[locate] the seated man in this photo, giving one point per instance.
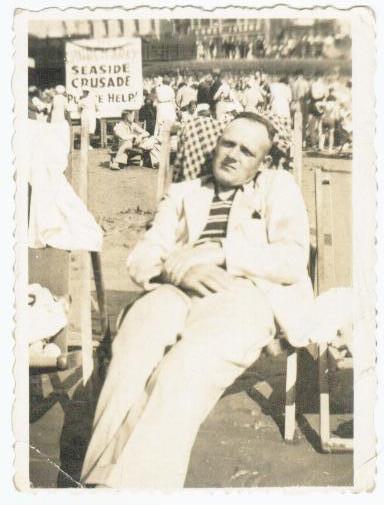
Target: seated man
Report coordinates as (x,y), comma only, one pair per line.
(225,257)
(131,136)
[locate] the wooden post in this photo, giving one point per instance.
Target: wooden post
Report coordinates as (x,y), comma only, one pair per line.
(84,262)
(164,175)
(298,146)
(103,132)
(323,196)
(322,184)
(291,372)
(319,230)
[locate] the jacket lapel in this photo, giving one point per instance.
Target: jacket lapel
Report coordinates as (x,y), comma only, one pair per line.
(196,207)
(247,200)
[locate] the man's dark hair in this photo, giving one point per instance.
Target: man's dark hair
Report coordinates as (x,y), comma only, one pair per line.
(253,116)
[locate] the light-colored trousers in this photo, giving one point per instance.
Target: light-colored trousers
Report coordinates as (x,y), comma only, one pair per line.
(121,155)
(173,358)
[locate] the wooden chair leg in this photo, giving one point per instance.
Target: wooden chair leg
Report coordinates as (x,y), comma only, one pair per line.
(290,397)
(101,295)
(328,443)
(104,352)
(324,416)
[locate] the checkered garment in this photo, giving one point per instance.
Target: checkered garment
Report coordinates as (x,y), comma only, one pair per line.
(196,142)
(198,137)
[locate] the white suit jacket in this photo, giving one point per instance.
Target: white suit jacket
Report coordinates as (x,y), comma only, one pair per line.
(267,240)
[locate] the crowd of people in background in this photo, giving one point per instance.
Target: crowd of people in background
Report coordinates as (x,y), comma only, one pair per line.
(52,105)
(308,45)
(325,102)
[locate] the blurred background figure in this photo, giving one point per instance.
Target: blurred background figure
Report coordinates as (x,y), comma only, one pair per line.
(59,111)
(328,122)
(185,95)
(147,113)
(225,99)
(37,108)
(281,97)
(88,109)
(130,138)
(300,96)
(215,85)
(165,102)
(32,108)
(252,97)
(203,89)
(318,92)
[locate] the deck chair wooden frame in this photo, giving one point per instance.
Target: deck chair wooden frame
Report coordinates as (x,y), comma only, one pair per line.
(58,259)
(329,443)
(325,361)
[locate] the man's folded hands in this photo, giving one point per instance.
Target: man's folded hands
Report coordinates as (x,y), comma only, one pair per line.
(198,269)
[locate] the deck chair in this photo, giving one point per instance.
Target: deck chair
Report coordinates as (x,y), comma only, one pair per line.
(316,272)
(55,269)
(326,358)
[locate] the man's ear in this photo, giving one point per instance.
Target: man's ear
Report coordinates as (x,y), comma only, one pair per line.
(217,145)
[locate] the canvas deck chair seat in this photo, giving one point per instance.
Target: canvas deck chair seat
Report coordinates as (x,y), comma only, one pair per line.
(316,269)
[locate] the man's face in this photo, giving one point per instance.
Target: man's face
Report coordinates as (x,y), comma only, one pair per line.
(242,147)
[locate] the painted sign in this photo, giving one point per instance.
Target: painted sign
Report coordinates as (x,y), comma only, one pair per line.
(109,69)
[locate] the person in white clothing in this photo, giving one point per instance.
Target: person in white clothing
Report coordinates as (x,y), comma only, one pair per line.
(318,93)
(225,256)
(225,99)
(89,109)
(185,95)
(281,97)
(165,103)
(252,97)
(40,107)
(131,135)
(59,105)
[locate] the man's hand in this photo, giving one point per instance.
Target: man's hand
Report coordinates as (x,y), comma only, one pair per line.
(206,279)
(188,256)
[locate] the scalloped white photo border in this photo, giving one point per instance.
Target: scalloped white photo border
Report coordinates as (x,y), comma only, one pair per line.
(364,226)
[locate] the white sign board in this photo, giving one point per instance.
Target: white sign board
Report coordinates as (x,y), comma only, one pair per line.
(110,69)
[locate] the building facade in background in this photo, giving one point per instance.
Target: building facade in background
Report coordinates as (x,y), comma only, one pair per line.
(177,40)
(257,38)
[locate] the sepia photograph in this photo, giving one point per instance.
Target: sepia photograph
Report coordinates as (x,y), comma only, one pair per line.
(189,285)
